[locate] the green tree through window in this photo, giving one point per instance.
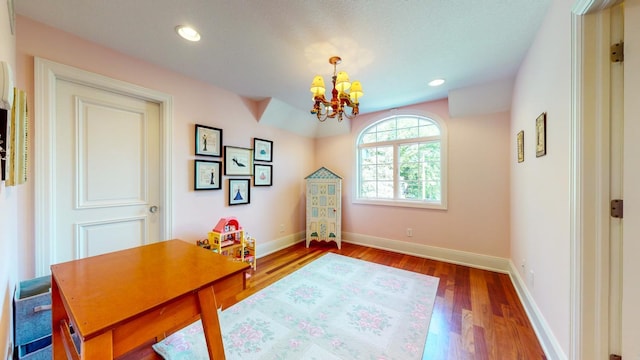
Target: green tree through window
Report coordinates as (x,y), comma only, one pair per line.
(400,160)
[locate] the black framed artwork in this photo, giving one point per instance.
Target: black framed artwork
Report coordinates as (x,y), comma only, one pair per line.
(4,143)
(208,140)
(262,175)
(239,192)
(207,175)
(262,150)
(238,161)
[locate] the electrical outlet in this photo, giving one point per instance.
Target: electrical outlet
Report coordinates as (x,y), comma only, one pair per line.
(409,232)
(531,276)
(281,228)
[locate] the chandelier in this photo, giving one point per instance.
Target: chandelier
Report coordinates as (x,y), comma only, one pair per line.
(344,94)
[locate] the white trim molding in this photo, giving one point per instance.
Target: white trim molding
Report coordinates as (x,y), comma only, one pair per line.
(589,231)
(485,262)
(46,74)
(458,257)
(548,341)
(583,7)
(264,249)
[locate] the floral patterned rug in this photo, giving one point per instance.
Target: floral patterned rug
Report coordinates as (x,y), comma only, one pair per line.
(335,307)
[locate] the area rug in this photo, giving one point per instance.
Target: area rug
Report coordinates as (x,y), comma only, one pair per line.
(335,307)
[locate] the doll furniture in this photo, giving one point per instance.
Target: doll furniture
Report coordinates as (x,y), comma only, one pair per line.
(229,238)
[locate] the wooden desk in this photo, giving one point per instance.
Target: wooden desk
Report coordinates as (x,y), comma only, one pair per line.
(119,301)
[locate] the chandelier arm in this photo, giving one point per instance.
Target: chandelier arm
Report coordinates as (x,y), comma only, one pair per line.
(322,118)
(323,109)
(321,100)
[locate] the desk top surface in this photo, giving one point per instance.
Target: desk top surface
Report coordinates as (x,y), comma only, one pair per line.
(102,291)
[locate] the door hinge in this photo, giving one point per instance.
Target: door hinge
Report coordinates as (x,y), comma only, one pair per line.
(617,52)
(615,357)
(617,208)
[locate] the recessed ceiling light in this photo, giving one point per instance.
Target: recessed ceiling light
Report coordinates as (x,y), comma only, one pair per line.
(436,82)
(188,33)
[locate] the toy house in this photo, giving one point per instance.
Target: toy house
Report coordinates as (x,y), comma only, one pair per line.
(229,238)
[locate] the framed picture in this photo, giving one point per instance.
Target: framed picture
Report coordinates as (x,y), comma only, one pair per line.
(208,141)
(207,175)
(262,150)
(521,146)
(239,191)
(12,16)
(237,161)
(541,135)
(262,175)
(4,142)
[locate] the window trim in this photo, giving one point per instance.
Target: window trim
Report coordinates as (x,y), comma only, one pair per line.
(443,203)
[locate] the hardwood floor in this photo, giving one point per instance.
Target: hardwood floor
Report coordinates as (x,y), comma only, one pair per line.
(477,314)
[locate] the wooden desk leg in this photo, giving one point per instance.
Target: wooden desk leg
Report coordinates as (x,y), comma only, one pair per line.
(211,323)
(58,314)
(100,347)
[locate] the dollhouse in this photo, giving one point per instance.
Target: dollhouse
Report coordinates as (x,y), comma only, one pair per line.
(229,238)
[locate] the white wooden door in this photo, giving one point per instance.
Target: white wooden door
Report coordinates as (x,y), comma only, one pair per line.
(107,171)
(103,165)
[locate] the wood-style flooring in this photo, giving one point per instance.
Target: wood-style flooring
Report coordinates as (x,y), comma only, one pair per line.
(477,314)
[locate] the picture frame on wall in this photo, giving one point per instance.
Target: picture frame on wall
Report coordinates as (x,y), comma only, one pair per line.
(262,150)
(262,175)
(207,175)
(239,192)
(541,135)
(238,161)
(12,16)
(208,140)
(520,142)
(4,141)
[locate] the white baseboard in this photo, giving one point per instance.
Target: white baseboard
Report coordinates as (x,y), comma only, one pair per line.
(263,249)
(547,340)
(479,261)
(549,343)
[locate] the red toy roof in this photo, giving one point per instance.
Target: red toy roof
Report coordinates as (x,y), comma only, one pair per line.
(231,220)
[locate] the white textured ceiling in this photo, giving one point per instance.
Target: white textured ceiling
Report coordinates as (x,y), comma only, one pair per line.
(264,49)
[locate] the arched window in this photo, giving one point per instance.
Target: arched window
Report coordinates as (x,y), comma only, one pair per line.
(402,161)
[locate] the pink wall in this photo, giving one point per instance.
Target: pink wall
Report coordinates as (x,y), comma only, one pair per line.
(194,102)
(477,219)
(540,187)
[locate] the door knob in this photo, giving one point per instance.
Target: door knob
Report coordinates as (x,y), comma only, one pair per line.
(153,209)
